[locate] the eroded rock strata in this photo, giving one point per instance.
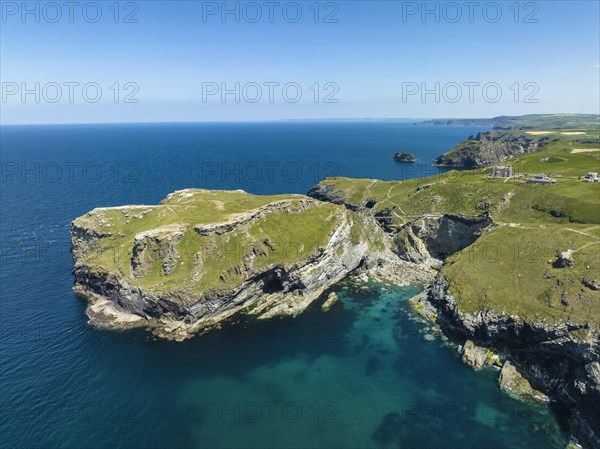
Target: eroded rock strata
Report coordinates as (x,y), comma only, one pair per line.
(212,256)
(487,148)
(560,360)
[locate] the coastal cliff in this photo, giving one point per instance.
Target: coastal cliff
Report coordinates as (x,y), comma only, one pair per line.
(559,359)
(201,256)
(521,122)
(488,148)
(506,143)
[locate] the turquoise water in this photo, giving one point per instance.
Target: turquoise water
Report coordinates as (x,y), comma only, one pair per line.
(362,375)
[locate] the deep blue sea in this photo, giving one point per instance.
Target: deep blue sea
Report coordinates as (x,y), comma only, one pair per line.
(362,375)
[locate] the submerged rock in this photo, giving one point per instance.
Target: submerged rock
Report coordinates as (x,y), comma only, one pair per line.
(331,300)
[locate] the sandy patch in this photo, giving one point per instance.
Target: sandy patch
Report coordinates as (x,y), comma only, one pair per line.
(574,133)
(584,150)
(538,133)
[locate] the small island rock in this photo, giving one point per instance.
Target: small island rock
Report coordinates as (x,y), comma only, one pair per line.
(404,157)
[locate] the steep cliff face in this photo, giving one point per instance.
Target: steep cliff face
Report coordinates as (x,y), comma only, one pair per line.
(215,254)
(529,121)
(438,237)
(487,149)
(420,239)
(561,360)
(330,193)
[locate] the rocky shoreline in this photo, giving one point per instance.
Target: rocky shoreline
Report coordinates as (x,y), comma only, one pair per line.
(548,356)
(119,300)
(538,360)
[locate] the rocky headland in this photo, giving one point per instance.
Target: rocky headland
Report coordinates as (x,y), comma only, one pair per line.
(522,122)
(503,144)
(489,148)
(199,257)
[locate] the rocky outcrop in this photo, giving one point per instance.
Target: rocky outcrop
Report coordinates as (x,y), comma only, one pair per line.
(90,241)
(329,193)
(473,355)
(156,244)
(438,237)
(426,240)
(332,300)
(560,360)
(477,154)
(592,284)
(564,259)
(513,382)
(401,156)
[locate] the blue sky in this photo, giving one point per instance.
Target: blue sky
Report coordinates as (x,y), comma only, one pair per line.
(370,59)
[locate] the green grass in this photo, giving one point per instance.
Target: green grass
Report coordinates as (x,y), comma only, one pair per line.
(469,192)
(568,201)
(214,261)
(569,164)
(508,271)
(530,121)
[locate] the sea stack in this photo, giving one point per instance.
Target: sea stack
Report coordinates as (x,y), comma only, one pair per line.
(404,157)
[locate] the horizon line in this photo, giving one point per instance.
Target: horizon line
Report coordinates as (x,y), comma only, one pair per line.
(334,119)
(190,122)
